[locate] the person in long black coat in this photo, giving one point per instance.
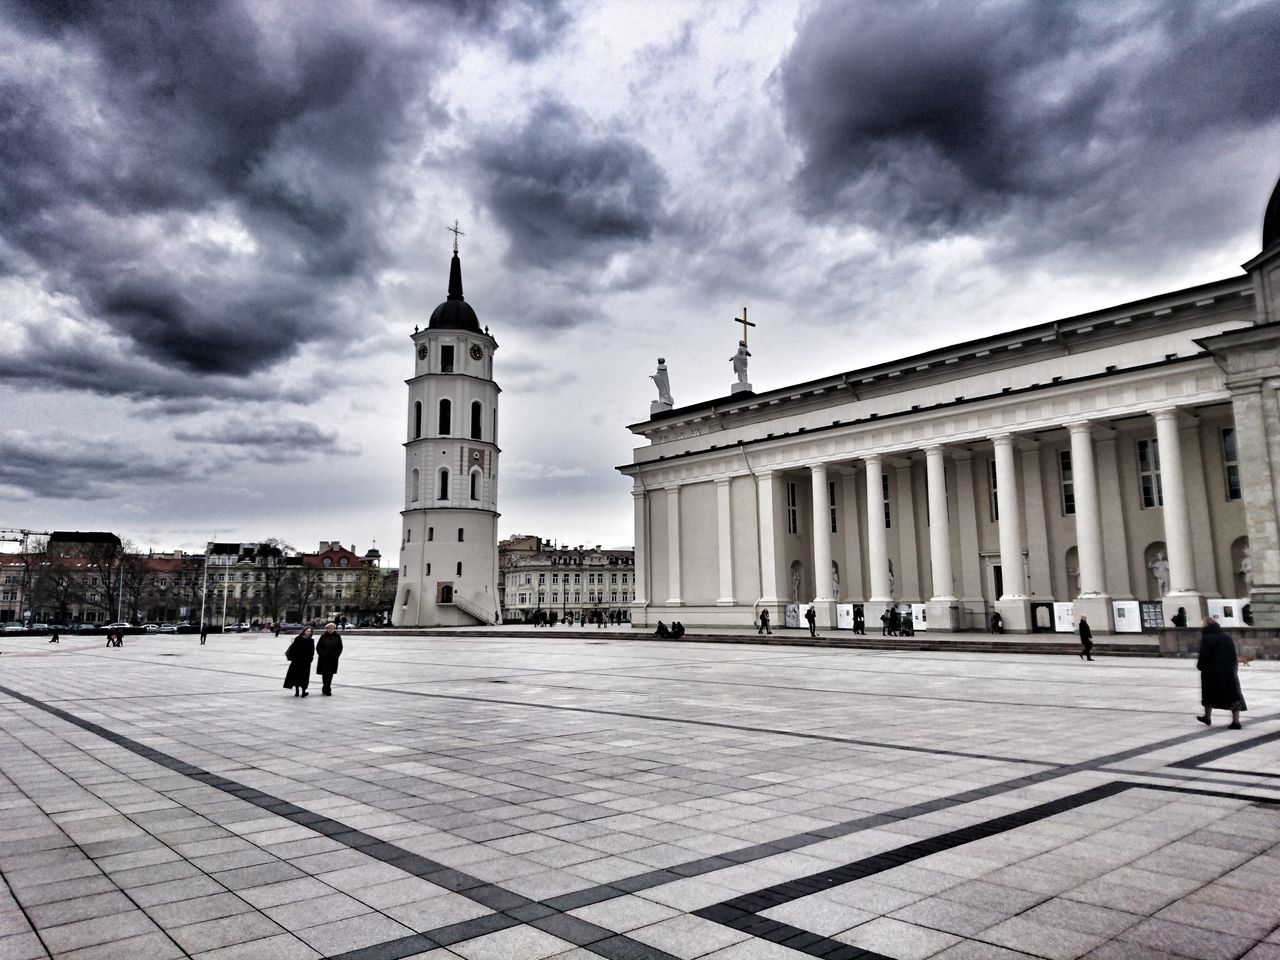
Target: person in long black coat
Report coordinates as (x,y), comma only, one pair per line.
(1086,639)
(300,654)
(328,650)
(1219,679)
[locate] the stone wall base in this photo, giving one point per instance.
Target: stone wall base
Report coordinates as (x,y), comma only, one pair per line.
(1259,643)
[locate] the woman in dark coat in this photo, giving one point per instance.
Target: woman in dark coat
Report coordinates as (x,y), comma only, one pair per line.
(300,653)
(328,650)
(1219,682)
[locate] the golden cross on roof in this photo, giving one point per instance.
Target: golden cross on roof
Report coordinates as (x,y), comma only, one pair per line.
(456,234)
(745,323)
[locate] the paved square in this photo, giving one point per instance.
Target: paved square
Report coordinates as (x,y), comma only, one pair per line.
(578,794)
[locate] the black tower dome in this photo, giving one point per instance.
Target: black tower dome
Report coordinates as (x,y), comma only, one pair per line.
(455,313)
(1271,221)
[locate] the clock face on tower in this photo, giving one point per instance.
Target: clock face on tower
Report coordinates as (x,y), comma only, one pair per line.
(477,352)
(422,351)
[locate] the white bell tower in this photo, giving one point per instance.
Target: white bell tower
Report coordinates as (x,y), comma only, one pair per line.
(449,533)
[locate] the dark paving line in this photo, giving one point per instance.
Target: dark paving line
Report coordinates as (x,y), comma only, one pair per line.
(509,908)
(742,913)
(828,738)
(1183,778)
(1237,746)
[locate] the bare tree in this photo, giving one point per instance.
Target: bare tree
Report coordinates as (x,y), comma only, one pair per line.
(305,585)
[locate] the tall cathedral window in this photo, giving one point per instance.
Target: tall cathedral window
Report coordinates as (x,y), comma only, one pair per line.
(991,491)
(884,496)
(417,420)
(793,513)
(414,485)
(1231,463)
(476,411)
(1149,488)
(1066,480)
(831,500)
(443,493)
(446,418)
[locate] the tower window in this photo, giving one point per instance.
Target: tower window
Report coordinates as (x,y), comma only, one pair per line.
(446,418)
(417,420)
(408,536)
(459,568)
(475,484)
(431,533)
(444,486)
(446,359)
(476,411)
(460,529)
(414,484)
(428,569)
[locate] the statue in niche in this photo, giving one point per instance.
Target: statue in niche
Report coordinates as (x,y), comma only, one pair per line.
(893,582)
(662,382)
(1246,570)
(739,361)
(1159,568)
(795,582)
(835,579)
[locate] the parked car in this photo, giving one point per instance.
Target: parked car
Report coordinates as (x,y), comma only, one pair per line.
(168,628)
(39,626)
(12,628)
(118,626)
(84,627)
(151,628)
(236,628)
(60,627)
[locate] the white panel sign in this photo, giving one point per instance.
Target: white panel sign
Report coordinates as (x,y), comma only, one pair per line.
(1128,616)
(1063,621)
(918,618)
(1227,612)
(844,616)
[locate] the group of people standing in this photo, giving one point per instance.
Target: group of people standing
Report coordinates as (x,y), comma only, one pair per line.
(325,651)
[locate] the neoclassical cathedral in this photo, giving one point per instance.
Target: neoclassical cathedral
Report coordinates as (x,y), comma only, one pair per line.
(1125,455)
(449,536)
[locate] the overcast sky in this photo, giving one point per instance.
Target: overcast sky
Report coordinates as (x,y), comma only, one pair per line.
(220,222)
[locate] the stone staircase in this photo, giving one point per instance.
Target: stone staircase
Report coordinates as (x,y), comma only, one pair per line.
(952,642)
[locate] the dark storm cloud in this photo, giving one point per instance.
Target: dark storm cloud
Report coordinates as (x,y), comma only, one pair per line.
(937,117)
(566,194)
(282,440)
(207,180)
(63,468)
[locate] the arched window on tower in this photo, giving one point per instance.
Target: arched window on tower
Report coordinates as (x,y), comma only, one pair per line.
(446,418)
(417,420)
(444,486)
(476,410)
(414,486)
(475,484)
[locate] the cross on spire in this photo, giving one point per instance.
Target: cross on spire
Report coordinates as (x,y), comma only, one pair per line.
(456,234)
(745,323)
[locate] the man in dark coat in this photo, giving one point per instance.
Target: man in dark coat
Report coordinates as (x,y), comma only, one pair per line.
(300,654)
(1086,639)
(812,618)
(328,650)
(1219,680)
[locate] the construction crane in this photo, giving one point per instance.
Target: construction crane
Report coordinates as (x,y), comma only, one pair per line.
(15,535)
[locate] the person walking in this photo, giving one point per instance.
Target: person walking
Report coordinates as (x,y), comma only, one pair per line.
(1219,666)
(764,623)
(54,637)
(1086,639)
(204,634)
(812,616)
(328,650)
(300,653)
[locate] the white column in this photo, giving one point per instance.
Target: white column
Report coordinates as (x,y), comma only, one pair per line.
(877,550)
(1177,522)
(822,585)
(1088,517)
(1012,566)
(673,547)
(724,526)
(939,525)
(767,537)
(639,505)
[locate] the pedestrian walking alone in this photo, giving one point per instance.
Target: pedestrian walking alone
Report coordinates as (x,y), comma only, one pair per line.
(811,616)
(204,634)
(300,654)
(328,650)
(764,623)
(54,638)
(1086,639)
(1219,666)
